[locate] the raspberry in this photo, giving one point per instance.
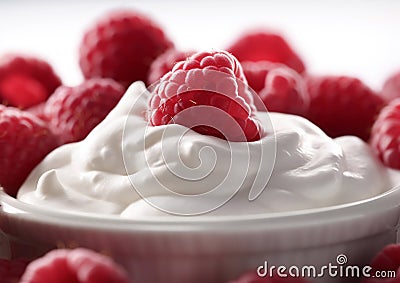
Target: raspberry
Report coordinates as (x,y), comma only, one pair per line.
(386,260)
(391,88)
(165,62)
(24,141)
(38,110)
(385,135)
(26,81)
(342,105)
(197,89)
(215,65)
(74,111)
(12,270)
(279,87)
(122,45)
(252,277)
(266,46)
(74,266)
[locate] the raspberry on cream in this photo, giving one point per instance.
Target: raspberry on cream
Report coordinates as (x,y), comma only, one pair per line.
(130,169)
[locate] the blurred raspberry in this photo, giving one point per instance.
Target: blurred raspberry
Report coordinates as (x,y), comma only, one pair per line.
(74,266)
(387,260)
(165,62)
(391,87)
(385,135)
(73,112)
(280,88)
(24,141)
(266,46)
(26,81)
(38,110)
(342,105)
(121,45)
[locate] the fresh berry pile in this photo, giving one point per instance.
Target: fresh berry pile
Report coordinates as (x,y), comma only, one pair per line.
(218,93)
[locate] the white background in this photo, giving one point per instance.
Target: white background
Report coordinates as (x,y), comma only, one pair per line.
(360,38)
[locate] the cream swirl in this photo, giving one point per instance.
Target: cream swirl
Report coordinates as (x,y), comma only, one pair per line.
(124,167)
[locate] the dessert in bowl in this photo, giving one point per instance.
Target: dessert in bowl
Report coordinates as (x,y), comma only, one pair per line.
(129,190)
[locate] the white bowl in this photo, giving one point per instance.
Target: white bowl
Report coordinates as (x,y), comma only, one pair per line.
(210,249)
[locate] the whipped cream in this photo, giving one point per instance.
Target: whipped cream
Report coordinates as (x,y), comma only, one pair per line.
(126,167)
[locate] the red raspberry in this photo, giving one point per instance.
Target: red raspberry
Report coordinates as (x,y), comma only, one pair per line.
(386,260)
(73,112)
(391,88)
(279,87)
(165,62)
(122,45)
(342,105)
(212,63)
(12,270)
(26,81)
(38,110)
(385,135)
(266,46)
(252,277)
(196,90)
(74,266)
(24,141)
